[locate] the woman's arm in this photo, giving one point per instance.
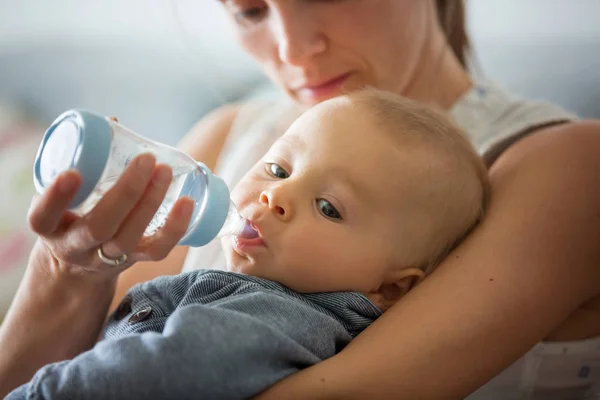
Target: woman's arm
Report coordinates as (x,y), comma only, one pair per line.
(66,293)
(52,318)
(63,298)
(204,142)
(532,262)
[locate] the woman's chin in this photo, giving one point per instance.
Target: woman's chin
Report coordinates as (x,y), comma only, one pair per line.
(312,96)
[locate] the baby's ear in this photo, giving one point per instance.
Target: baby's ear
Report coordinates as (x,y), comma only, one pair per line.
(395,285)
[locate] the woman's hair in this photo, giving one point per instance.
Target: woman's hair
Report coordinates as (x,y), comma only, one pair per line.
(452,20)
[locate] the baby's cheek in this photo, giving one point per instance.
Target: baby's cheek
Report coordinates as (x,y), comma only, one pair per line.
(227,249)
(244,189)
(312,265)
(239,195)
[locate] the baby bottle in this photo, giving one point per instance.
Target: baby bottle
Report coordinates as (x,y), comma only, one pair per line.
(100,149)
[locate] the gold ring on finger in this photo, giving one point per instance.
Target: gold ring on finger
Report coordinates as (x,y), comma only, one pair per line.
(111,261)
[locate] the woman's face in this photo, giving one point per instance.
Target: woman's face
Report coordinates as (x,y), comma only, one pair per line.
(318,49)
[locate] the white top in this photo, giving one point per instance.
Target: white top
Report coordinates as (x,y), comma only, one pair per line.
(493,119)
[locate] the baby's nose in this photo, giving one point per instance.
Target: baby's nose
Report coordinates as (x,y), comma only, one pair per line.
(270,200)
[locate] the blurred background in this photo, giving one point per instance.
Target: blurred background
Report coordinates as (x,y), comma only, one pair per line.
(160,65)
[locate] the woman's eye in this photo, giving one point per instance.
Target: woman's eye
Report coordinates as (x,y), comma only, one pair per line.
(276,171)
(327,209)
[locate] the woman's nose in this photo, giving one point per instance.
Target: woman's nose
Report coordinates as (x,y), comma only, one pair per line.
(299,37)
(276,203)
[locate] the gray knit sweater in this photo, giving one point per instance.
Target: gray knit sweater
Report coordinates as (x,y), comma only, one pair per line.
(208,335)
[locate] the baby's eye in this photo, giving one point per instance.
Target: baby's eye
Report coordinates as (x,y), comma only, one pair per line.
(250,15)
(327,209)
(276,171)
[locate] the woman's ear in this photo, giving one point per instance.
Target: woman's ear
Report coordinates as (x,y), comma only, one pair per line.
(395,285)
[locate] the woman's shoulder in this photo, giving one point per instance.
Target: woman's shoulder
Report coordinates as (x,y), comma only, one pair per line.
(556,169)
(494,118)
(578,141)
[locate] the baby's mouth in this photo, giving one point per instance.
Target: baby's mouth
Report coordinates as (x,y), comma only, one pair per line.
(249,240)
(248,232)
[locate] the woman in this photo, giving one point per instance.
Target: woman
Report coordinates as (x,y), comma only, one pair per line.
(529,273)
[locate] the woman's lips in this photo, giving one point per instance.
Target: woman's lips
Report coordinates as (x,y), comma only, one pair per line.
(324,90)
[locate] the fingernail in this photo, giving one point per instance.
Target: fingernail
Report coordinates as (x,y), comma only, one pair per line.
(146,162)
(66,183)
(163,176)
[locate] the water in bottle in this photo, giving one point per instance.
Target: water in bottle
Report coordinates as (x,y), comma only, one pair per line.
(100,149)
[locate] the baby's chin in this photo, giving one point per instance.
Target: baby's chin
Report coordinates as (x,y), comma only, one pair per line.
(242,264)
(239,263)
(248,268)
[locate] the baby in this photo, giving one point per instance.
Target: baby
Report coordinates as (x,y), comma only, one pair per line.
(364,193)
(351,208)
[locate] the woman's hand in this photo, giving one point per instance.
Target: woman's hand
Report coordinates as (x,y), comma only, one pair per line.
(62,302)
(204,142)
(116,225)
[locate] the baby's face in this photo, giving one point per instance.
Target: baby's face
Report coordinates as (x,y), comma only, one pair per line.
(322,201)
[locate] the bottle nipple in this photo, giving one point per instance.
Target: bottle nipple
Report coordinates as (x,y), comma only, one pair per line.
(236,225)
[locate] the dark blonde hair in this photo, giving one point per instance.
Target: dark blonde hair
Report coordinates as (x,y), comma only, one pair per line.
(457,196)
(452,20)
